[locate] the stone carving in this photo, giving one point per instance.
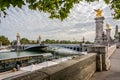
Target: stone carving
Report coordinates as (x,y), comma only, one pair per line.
(107,26)
(18,34)
(98,12)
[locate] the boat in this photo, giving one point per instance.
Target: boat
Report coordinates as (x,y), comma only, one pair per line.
(5,50)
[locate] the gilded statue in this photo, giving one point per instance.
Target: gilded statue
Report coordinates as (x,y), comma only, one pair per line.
(107,26)
(98,12)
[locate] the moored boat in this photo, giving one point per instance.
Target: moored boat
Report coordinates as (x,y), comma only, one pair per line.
(4,50)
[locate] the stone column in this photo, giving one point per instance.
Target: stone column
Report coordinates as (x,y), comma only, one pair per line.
(108,33)
(99,30)
(0,44)
(116,34)
(18,41)
(39,40)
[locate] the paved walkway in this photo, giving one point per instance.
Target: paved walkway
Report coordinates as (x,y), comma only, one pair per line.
(114,72)
(10,73)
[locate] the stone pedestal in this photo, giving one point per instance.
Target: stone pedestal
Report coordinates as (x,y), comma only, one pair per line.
(99,30)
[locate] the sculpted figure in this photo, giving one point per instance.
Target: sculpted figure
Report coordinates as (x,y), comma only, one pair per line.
(18,34)
(98,12)
(107,26)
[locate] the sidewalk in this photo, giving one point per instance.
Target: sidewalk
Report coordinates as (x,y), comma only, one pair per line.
(114,72)
(10,73)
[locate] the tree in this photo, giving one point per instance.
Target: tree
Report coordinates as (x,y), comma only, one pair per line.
(4,40)
(47,41)
(57,8)
(24,41)
(88,42)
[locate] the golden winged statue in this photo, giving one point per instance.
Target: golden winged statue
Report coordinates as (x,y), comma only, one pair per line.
(107,26)
(98,12)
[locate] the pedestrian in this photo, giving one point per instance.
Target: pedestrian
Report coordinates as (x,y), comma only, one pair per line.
(18,67)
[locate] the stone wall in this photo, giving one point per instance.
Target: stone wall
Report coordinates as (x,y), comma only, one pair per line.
(111,50)
(108,53)
(103,56)
(78,68)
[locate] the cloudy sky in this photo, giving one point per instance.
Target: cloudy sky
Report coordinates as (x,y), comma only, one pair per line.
(80,23)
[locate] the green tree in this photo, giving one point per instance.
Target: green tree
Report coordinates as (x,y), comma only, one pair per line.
(4,40)
(47,41)
(57,8)
(88,42)
(24,41)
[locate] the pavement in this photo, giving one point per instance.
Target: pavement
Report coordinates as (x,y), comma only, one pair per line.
(7,74)
(114,72)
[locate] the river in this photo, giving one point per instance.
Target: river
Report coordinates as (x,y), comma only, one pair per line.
(17,54)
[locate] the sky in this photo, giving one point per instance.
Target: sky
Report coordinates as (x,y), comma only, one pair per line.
(31,24)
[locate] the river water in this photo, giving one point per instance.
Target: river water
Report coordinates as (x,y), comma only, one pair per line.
(58,52)
(17,54)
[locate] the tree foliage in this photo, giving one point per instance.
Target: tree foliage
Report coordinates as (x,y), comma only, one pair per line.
(24,41)
(4,40)
(57,8)
(48,41)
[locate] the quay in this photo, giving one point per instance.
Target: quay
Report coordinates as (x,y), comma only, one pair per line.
(33,67)
(7,64)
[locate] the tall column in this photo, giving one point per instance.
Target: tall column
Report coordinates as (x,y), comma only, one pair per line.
(108,33)
(39,40)
(0,43)
(99,30)
(116,33)
(18,41)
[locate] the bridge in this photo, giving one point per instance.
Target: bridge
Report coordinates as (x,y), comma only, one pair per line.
(75,47)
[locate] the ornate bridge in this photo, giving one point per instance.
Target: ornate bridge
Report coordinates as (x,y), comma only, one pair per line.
(75,47)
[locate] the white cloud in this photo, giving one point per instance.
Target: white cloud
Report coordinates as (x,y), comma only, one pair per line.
(31,24)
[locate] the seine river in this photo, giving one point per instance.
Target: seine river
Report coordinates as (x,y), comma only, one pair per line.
(62,53)
(17,54)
